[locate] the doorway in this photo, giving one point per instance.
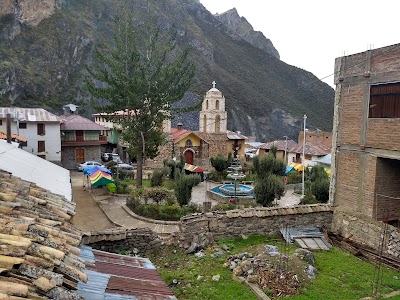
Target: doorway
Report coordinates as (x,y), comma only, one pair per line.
(189,157)
(80,155)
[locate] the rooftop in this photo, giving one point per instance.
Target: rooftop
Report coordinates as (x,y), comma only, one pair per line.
(280,145)
(28,114)
(314,148)
(76,122)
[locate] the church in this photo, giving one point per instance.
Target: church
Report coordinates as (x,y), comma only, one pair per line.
(212,138)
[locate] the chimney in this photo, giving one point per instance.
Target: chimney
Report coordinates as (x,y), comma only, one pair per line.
(180,126)
(8,128)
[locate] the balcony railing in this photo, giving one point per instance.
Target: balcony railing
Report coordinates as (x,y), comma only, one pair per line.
(69,140)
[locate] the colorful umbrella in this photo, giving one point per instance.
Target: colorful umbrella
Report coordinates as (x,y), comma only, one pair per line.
(100,178)
(193,168)
(90,170)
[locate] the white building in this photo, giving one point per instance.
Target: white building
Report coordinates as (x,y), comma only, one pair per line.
(213,117)
(313,152)
(40,127)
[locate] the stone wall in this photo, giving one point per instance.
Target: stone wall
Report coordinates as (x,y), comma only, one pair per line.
(367,231)
(122,239)
(68,159)
(251,221)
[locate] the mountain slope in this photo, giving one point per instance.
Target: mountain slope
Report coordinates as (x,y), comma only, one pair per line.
(42,65)
(240,27)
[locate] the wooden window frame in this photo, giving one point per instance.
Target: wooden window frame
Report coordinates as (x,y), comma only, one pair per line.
(41,129)
(41,146)
(384,101)
(22,125)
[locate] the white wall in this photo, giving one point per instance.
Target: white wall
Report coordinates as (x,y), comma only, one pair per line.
(52,138)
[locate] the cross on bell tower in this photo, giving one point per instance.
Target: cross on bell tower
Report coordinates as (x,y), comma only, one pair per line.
(214,83)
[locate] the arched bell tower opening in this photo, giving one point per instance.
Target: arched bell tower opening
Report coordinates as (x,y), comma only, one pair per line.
(213,116)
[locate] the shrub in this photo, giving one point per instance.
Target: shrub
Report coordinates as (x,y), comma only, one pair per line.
(183,187)
(309,198)
(294,177)
(320,189)
(219,163)
(158,194)
(158,177)
(267,189)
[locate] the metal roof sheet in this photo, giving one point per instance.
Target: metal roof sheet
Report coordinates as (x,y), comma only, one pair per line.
(127,278)
(280,145)
(314,148)
(76,122)
(28,114)
(232,135)
(306,237)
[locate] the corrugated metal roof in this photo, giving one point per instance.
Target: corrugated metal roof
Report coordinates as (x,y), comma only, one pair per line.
(306,237)
(128,278)
(327,159)
(232,135)
(76,122)
(280,145)
(28,114)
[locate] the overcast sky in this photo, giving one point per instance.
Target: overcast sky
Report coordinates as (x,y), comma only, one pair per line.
(310,34)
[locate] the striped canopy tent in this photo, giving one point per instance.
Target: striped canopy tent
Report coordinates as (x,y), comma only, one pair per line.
(193,168)
(297,167)
(90,170)
(100,178)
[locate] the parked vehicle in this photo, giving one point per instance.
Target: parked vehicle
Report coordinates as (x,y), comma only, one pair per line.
(106,157)
(89,163)
(125,167)
(115,157)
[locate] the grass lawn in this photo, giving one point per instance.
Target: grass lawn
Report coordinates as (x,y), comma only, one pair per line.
(340,275)
(146,183)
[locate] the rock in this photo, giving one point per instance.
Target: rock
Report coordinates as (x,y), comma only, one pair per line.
(173,282)
(251,271)
(217,254)
(200,277)
(225,247)
(245,237)
(311,272)
(252,279)
(246,265)
(271,250)
(200,254)
(226,264)
(194,247)
(216,277)
(237,271)
(233,265)
(395,277)
(305,255)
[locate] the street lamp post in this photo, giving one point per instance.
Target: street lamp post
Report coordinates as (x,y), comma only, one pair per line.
(303,160)
(284,158)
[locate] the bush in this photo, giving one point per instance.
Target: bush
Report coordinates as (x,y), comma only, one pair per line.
(183,187)
(158,177)
(309,198)
(158,195)
(294,177)
(267,189)
(320,189)
(167,212)
(220,163)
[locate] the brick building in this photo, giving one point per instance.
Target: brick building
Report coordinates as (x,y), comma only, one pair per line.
(316,136)
(365,181)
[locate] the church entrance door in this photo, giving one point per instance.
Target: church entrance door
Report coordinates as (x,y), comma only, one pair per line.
(189,157)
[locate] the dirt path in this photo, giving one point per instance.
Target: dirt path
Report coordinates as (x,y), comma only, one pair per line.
(89,216)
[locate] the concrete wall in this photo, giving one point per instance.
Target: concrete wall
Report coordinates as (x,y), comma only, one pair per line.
(51,138)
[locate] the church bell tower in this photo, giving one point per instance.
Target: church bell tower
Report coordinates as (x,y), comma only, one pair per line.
(213,117)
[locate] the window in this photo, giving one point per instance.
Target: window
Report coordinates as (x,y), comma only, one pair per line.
(41,146)
(207,105)
(22,126)
(40,129)
(1,122)
(189,143)
(217,123)
(384,101)
(217,105)
(205,123)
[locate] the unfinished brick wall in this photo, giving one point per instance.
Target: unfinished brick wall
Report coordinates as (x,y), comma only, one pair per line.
(387,190)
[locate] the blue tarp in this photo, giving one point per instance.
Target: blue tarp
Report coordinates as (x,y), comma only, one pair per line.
(93,169)
(289,169)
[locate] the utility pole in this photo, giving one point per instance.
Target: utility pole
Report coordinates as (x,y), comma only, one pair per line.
(303,160)
(284,158)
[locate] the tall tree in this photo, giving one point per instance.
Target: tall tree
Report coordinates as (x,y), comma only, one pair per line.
(140,76)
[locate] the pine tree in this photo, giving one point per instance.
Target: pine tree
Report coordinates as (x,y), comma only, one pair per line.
(140,76)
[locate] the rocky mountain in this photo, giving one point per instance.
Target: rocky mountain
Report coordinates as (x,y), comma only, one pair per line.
(240,27)
(44,46)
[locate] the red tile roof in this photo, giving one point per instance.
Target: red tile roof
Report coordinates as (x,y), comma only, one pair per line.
(76,122)
(314,148)
(178,134)
(280,144)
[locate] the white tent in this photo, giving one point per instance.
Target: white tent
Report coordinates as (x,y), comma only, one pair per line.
(34,169)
